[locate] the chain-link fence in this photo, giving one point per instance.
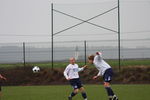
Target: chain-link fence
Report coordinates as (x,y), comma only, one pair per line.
(41,52)
(99,29)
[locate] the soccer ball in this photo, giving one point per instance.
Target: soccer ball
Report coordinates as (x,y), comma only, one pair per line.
(35,69)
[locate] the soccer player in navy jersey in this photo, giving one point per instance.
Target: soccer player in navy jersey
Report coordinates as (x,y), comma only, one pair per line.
(105,70)
(71,74)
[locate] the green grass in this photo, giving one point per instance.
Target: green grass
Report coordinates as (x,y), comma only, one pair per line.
(113,63)
(135,62)
(94,92)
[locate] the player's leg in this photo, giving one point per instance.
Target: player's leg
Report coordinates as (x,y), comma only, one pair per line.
(107,78)
(109,90)
(75,91)
(82,90)
(75,87)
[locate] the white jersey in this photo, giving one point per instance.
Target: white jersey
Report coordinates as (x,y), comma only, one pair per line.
(71,71)
(100,64)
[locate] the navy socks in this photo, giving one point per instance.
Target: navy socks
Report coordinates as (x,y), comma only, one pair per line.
(84,95)
(72,94)
(109,91)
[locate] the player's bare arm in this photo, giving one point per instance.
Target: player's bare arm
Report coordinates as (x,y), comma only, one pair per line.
(95,77)
(85,66)
(2,77)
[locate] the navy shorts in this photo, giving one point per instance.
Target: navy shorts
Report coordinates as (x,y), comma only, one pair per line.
(108,75)
(76,83)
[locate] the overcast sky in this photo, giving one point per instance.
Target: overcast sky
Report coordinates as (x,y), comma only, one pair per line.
(30,20)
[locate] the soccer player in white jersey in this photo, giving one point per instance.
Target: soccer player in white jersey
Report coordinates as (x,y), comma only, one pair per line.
(105,70)
(71,74)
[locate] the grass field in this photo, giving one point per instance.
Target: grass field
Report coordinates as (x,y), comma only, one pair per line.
(113,63)
(60,92)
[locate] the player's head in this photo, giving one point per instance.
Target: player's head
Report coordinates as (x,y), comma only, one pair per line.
(91,59)
(72,60)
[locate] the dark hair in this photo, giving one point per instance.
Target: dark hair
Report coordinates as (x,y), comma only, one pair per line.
(91,57)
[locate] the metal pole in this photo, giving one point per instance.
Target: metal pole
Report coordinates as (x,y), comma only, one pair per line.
(85,51)
(24,58)
(52,36)
(119,33)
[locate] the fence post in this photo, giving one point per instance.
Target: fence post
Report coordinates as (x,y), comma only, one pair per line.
(85,52)
(119,35)
(52,47)
(24,55)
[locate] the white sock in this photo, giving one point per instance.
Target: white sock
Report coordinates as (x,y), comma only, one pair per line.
(85,99)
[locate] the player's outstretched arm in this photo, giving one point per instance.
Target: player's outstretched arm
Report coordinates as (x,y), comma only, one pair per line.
(95,77)
(2,77)
(82,68)
(85,66)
